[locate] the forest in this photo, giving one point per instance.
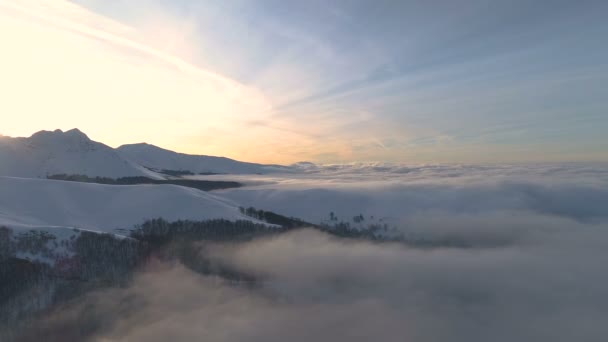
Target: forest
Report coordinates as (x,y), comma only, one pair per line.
(204,185)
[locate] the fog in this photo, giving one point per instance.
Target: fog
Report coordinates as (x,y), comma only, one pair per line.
(546,283)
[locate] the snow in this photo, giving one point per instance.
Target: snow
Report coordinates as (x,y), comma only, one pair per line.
(57,248)
(157,158)
(56,152)
(105,208)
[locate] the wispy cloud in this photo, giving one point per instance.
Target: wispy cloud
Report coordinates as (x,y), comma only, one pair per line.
(81,69)
(329,79)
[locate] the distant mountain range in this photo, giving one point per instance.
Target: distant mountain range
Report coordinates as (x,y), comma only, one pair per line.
(49,153)
(159,159)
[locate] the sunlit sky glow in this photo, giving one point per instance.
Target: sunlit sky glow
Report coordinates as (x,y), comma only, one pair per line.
(325,81)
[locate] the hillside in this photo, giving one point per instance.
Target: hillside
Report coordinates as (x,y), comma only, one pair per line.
(42,202)
(159,159)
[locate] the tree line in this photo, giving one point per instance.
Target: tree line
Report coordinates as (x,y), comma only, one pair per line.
(205,185)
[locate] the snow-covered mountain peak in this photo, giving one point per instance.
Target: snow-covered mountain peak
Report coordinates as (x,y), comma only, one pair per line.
(55,152)
(59,135)
(70,141)
(76,133)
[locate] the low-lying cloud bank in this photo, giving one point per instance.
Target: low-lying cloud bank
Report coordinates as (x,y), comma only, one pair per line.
(546,283)
(482,261)
(397,192)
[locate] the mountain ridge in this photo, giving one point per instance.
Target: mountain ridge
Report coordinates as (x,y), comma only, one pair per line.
(72,152)
(46,153)
(158,158)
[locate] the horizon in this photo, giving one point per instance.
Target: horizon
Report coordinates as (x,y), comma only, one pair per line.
(325,82)
(361,162)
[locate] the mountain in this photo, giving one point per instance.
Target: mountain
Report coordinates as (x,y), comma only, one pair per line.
(157,158)
(48,153)
(57,152)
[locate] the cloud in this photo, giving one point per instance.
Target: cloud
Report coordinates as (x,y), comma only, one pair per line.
(491,253)
(399,192)
(545,284)
(413,83)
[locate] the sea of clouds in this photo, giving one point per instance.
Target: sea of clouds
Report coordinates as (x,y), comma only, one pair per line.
(509,254)
(398,192)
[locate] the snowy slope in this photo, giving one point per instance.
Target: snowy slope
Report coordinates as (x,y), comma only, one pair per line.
(72,152)
(42,202)
(157,158)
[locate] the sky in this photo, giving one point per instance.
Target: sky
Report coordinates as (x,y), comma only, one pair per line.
(272,81)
